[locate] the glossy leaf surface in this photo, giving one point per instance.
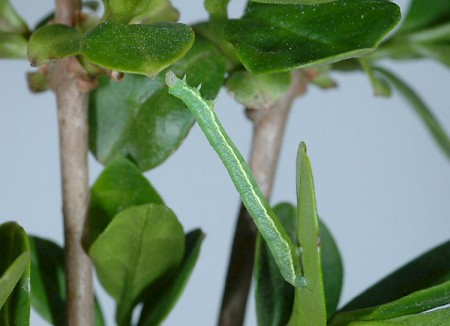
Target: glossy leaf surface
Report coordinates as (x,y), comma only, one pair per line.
(294,2)
(52,42)
(309,301)
(160,299)
(273,37)
(14,275)
(119,186)
(434,318)
(13,46)
(48,282)
(140,245)
(139,49)
(273,295)
(257,91)
(430,121)
(414,303)
(431,268)
(138,119)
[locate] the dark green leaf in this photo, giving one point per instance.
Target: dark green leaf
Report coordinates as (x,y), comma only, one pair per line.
(271,38)
(422,13)
(13,46)
(433,125)
(431,268)
(139,246)
(309,302)
(119,186)
(53,42)
(15,275)
(48,282)
(138,119)
(434,318)
(414,303)
(10,20)
(257,91)
(160,299)
(294,2)
(140,49)
(332,269)
(158,11)
(273,295)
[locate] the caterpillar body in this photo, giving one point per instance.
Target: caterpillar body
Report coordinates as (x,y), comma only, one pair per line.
(283,250)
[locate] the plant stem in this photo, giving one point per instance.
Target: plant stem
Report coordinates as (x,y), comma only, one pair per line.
(268,131)
(73,136)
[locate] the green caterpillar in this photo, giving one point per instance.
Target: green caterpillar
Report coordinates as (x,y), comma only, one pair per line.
(283,250)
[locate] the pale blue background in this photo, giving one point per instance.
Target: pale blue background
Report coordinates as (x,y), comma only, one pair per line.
(382,183)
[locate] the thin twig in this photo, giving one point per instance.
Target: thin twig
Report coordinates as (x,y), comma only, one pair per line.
(268,131)
(73,135)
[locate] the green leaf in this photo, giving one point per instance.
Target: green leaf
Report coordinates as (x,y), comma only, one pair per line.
(138,119)
(434,318)
(10,20)
(118,187)
(273,295)
(156,12)
(416,302)
(15,275)
(429,269)
(272,38)
(48,282)
(52,42)
(160,299)
(309,302)
(13,46)
(422,14)
(123,11)
(380,86)
(294,2)
(433,125)
(257,91)
(332,269)
(139,246)
(140,49)
(37,81)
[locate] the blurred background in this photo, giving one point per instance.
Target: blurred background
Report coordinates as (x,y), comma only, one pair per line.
(382,183)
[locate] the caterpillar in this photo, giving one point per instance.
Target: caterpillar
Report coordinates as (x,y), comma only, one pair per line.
(283,250)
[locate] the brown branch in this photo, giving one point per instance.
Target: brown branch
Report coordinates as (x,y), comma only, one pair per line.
(73,135)
(269,126)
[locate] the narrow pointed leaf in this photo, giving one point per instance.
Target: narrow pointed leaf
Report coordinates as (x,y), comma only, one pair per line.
(160,299)
(431,268)
(274,37)
(139,49)
(309,301)
(430,121)
(434,318)
(379,85)
(10,20)
(138,119)
(48,282)
(53,42)
(13,46)
(119,186)
(414,303)
(14,275)
(126,268)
